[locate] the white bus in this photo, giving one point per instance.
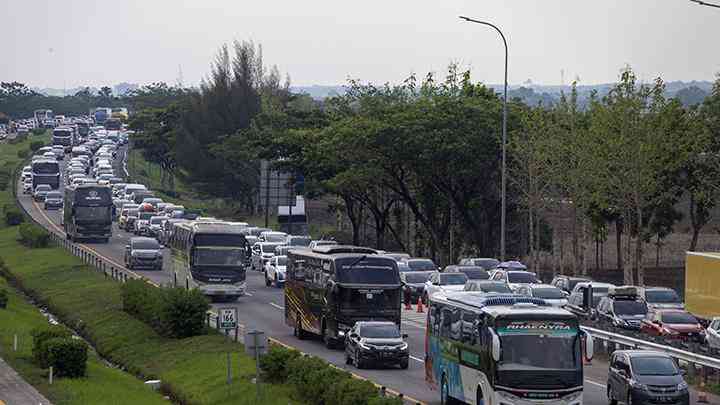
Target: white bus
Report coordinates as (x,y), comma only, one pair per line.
(494,349)
(209,256)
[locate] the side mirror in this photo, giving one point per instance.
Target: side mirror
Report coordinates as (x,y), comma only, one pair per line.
(127,247)
(354,336)
(404,336)
(589,346)
(623,374)
(495,346)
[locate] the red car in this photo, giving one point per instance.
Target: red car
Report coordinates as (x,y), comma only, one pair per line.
(673,324)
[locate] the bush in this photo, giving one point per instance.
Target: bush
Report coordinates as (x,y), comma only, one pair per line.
(385,401)
(40,337)
(35,145)
(67,356)
(5,178)
(274,364)
(13,216)
(33,236)
(350,391)
(311,377)
(183,312)
(22,153)
(173,312)
(3,298)
(38,131)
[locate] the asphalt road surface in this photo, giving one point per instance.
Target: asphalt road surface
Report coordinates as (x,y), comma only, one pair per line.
(263,309)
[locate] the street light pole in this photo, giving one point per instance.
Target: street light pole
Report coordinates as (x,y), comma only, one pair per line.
(503,191)
(704,3)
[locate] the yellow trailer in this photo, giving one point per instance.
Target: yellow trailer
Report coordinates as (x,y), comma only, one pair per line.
(702,284)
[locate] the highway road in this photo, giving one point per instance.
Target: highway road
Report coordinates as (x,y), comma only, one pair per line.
(263,309)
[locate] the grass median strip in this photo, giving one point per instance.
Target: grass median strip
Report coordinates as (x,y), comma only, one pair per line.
(193,370)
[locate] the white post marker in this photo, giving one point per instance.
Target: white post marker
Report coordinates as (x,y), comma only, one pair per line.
(227,318)
(255,345)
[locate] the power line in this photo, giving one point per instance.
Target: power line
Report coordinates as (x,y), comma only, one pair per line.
(704,3)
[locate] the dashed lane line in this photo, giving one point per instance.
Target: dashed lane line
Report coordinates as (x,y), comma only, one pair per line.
(274,305)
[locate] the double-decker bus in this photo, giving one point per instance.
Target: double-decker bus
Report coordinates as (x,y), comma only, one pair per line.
(209,256)
(45,171)
(503,349)
(330,288)
(65,137)
(87,212)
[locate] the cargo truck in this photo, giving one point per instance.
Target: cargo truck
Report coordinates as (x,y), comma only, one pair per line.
(702,284)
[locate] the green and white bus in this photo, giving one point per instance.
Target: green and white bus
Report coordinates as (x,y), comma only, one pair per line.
(209,256)
(495,349)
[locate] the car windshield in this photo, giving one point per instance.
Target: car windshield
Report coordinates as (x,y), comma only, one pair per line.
(43,187)
(453,279)
(475,274)
(494,287)
(548,293)
(146,244)
(629,308)
(268,248)
(419,277)
(574,282)
(54,194)
(422,265)
(133,212)
(275,238)
(156,221)
(678,317)
(646,365)
(522,277)
(219,257)
(662,297)
(486,264)
(380,331)
(281,260)
(299,241)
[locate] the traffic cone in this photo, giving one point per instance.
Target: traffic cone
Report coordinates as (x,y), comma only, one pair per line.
(420,306)
(702,395)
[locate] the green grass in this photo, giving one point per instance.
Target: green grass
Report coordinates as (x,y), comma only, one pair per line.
(102,385)
(193,370)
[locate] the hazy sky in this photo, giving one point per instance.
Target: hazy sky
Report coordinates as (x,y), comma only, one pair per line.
(52,43)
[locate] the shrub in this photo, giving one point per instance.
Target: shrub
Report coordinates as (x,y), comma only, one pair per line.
(35,145)
(40,337)
(311,377)
(385,401)
(142,301)
(274,364)
(22,153)
(183,312)
(38,131)
(33,236)
(5,176)
(3,298)
(13,216)
(67,356)
(350,391)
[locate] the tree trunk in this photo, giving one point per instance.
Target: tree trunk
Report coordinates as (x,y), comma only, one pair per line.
(639,246)
(618,244)
(693,222)
(627,262)
(531,234)
(583,247)
(574,246)
(536,264)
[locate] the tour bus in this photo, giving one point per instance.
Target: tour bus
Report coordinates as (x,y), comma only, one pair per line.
(101,114)
(64,136)
(329,288)
(45,171)
(210,257)
(41,116)
(495,349)
(87,212)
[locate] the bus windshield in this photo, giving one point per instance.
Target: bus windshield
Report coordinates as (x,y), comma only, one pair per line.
(91,213)
(367,271)
(46,168)
(352,298)
(539,345)
(219,257)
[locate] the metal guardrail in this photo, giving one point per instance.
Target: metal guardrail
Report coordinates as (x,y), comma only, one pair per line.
(623,341)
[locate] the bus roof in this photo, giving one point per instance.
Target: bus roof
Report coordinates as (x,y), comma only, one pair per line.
(500,305)
(343,249)
(217,227)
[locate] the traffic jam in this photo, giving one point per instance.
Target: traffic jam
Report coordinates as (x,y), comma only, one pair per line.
(495,332)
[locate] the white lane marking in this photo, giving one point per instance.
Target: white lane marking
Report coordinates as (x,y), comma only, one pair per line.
(248,294)
(277,306)
(417,359)
(597,384)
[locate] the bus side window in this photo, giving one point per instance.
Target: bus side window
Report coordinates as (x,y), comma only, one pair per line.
(469,326)
(436,319)
(446,323)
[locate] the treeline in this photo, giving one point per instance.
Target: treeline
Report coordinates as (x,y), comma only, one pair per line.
(418,164)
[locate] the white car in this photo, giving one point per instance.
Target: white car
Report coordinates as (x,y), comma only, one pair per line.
(27,186)
(26,173)
(275,271)
(262,252)
(712,334)
(549,293)
(444,282)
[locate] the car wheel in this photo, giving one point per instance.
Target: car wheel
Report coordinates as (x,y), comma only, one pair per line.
(629,398)
(268,283)
(404,363)
(348,359)
(445,398)
(611,401)
(358,360)
(299,332)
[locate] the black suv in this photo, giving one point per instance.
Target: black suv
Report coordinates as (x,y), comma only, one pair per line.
(622,311)
(642,376)
(376,343)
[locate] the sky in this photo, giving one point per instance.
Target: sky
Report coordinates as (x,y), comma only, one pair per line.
(52,43)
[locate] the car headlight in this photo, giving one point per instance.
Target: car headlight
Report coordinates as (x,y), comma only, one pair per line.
(638,385)
(403,346)
(682,386)
(364,346)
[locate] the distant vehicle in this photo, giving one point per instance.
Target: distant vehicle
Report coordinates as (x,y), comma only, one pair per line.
(298,240)
(140,195)
(143,252)
(113,124)
(472,272)
(549,293)
(413,283)
(40,192)
(262,252)
(329,288)
(155,225)
(59,152)
(515,278)
(510,349)
(712,333)
(275,271)
(576,304)
(101,115)
(41,116)
(65,137)
(53,200)
(210,257)
(142,224)
(45,171)
(398,256)
(271,236)
(444,282)
(27,186)
(661,298)
(702,283)
(26,173)
(318,243)
(567,283)
(673,324)
(419,264)
(488,286)
(372,343)
(87,212)
(120,113)
(487,263)
(644,377)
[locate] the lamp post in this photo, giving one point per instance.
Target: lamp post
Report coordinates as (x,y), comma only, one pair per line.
(503,191)
(704,3)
